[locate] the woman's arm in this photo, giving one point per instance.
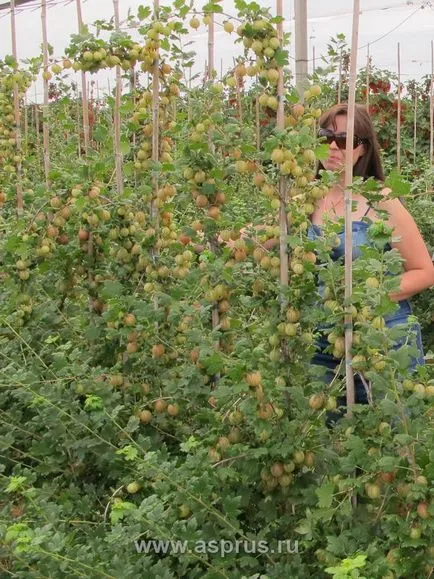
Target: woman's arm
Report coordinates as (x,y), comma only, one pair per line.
(418,265)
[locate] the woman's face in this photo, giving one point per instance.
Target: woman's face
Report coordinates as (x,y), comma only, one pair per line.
(336,158)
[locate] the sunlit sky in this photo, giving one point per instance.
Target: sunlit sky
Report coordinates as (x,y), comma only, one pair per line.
(326,18)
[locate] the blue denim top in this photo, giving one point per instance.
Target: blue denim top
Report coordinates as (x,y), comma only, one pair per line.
(360,238)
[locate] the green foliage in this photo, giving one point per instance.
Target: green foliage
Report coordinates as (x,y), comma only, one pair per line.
(152,385)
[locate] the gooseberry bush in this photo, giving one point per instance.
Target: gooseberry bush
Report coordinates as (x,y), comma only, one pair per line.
(156,378)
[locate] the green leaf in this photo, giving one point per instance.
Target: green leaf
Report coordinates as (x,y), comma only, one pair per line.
(210,7)
(125,148)
(111,289)
(325,495)
(129,452)
(15,483)
(213,363)
(400,188)
(191,443)
(281,57)
(304,528)
(143,12)
(388,463)
(93,403)
(322,151)
(120,509)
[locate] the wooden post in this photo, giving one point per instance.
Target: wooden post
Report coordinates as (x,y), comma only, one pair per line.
(368,66)
(83,87)
(257,117)
(189,96)
(340,77)
(117,114)
(215,316)
(280,124)
(398,115)
(349,375)
(26,124)
(78,124)
(36,113)
(211,47)
(239,99)
(415,124)
(155,120)
(133,81)
(17,117)
(301,71)
(46,110)
(431,108)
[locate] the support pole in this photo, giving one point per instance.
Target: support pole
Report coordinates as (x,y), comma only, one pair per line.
(83,87)
(431,114)
(46,110)
(368,71)
(155,121)
(300,46)
(415,124)
(117,114)
(280,123)
(398,115)
(17,118)
(349,375)
(211,27)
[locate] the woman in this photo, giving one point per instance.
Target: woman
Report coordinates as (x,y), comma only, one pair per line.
(418,267)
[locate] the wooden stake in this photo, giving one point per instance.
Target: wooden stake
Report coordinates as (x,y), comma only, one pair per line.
(368,66)
(415,124)
(300,10)
(258,126)
(211,48)
(26,124)
(431,115)
(133,80)
(155,121)
(78,125)
(83,87)
(46,110)
(189,97)
(117,114)
(213,242)
(340,78)
(17,117)
(398,115)
(36,113)
(348,211)
(283,182)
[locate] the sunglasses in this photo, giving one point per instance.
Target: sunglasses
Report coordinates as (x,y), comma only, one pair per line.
(340,139)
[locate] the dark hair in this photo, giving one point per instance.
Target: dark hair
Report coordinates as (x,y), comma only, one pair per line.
(369,164)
